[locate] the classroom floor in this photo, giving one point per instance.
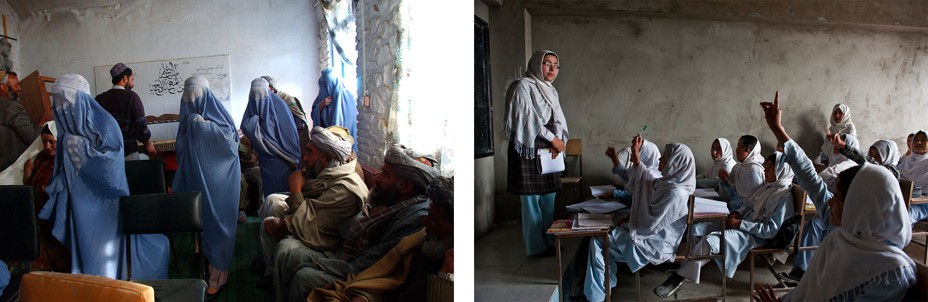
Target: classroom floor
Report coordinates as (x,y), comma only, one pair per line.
(241,284)
(503,273)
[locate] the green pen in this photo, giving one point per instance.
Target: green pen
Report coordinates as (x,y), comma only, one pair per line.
(643,129)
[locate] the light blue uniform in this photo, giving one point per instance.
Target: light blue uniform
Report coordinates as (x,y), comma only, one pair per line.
(817,228)
(752,233)
(663,199)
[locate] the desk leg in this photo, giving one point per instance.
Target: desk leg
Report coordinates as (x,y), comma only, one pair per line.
(606,261)
(560,274)
(724,278)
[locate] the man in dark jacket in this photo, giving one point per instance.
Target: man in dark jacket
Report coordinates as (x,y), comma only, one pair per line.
(126,107)
(16,130)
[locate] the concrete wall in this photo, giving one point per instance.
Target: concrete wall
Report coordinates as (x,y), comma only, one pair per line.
(694,80)
(276,38)
(694,73)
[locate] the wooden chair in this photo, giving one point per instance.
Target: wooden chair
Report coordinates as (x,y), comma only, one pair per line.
(36,99)
(919,228)
(572,177)
(574,149)
(686,255)
(799,198)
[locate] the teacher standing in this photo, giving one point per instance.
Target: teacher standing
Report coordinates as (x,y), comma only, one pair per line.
(535,121)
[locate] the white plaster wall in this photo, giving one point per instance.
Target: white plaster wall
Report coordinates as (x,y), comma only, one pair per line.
(484,185)
(276,37)
(694,80)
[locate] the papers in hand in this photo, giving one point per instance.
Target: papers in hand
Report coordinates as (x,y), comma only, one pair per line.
(709,206)
(596,206)
(549,165)
(600,190)
(587,221)
(706,193)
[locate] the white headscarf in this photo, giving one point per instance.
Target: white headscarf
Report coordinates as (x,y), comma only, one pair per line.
(13,175)
(654,207)
(524,117)
(837,162)
(845,126)
(915,168)
(764,200)
(649,154)
(874,227)
(888,150)
(726,162)
(753,158)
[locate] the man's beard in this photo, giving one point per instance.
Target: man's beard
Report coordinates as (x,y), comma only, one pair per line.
(435,248)
(12,95)
(313,170)
(381,196)
(129,87)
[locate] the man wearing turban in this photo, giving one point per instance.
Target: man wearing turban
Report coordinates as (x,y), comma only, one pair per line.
(402,273)
(396,208)
(315,208)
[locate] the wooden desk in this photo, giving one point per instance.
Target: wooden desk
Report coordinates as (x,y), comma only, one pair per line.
(567,233)
(920,199)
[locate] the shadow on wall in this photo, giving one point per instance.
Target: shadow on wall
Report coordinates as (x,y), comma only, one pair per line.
(809,134)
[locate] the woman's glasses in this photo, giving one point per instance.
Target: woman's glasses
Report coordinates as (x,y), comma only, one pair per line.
(551,65)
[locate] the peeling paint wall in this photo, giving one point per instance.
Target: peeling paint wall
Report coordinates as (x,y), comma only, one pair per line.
(379,34)
(694,79)
(276,38)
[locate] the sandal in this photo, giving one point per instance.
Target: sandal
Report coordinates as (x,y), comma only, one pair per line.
(242,217)
(212,293)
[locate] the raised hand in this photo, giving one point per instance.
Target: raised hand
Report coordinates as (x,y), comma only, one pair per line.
(637,141)
(772,111)
(610,152)
(837,141)
(773,115)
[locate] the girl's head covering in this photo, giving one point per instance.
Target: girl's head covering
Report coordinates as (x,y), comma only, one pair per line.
(874,227)
(524,117)
(765,199)
(888,150)
(726,162)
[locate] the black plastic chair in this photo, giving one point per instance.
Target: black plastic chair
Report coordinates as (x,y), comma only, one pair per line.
(18,230)
(145,176)
(164,214)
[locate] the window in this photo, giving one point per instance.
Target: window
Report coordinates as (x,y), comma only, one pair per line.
(343,52)
(424,109)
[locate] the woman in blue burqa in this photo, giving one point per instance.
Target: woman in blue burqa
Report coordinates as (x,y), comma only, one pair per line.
(88,179)
(335,105)
(269,126)
(207,162)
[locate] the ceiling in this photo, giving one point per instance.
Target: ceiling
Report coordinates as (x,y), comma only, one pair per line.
(26,8)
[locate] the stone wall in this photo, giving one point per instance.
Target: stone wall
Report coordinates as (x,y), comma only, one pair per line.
(379,35)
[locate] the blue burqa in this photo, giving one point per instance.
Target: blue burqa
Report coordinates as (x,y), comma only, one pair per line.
(4,276)
(269,126)
(83,196)
(207,162)
(343,111)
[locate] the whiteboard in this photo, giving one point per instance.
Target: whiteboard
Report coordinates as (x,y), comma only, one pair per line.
(160,84)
